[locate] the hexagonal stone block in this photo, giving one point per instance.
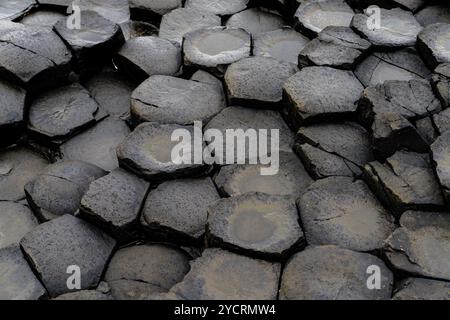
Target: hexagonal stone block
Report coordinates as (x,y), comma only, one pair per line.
(257,81)
(58,189)
(177,210)
(170,100)
(313,16)
(283,44)
(256,224)
(145,271)
(403,65)
(98,144)
(317,93)
(114,202)
(343,212)
(405,182)
(218,7)
(421,245)
(12,112)
(334,149)
(215,48)
(221,275)
(18,166)
(147,152)
(399,28)
(17,281)
(67,241)
(16,220)
(175,24)
(256,21)
(162,58)
(422,289)
(291,179)
(333,273)
(13,10)
(152,11)
(33,57)
(434,44)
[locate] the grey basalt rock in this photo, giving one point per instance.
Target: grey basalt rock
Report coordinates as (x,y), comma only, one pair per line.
(34,57)
(66,241)
(161,57)
(114,203)
(147,152)
(218,7)
(12,112)
(441,83)
(145,271)
(291,180)
(43,18)
(433,14)
(440,152)
(221,275)
(256,224)
(215,48)
(333,273)
(17,281)
(58,189)
(334,149)
(317,93)
(313,16)
(257,82)
(170,100)
(422,289)
(175,24)
(177,210)
(337,47)
(433,44)
(421,245)
(14,10)
(18,166)
(402,65)
(399,28)
(405,182)
(283,45)
(98,144)
(16,220)
(343,212)
(256,21)
(153,10)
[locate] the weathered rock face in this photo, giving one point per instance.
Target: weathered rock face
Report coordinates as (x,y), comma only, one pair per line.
(177,210)
(16,220)
(433,14)
(12,112)
(333,273)
(67,241)
(170,100)
(434,44)
(219,275)
(142,272)
(422,289)
(317,93)
(421,245)
(58,189)
(405,182)
(340,211)
(13,10)
(17,281)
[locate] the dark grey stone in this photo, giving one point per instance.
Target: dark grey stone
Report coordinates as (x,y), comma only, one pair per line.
(441,83)
(16,220)
(12,112)
(440,150)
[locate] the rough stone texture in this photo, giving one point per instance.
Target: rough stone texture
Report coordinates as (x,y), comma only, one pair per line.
(332,273)
(161,57)
(441,158)
(441,83)
(433,14)
(399,28)
(405,182)
(422,289)
(58,189)
(17,281)
(114,201)
(401,65)
(98,144)
(16,220)
(257,81)
(256,21)
(177,23)
(18,166)
(54,246)
(141,272)
(334,149)
(219,7)
(291,179)
(177,210)
(170,100)
(12,112)
(340,211)
(317,93)
(221,275)
(434,44)
(421,245)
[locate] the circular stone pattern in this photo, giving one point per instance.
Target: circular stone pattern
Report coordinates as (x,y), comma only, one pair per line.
(256,224)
